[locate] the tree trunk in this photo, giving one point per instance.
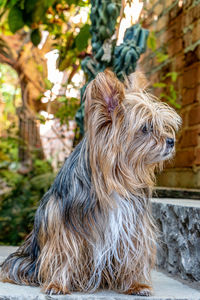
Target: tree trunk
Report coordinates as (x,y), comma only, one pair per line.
(26,60)
(30,143)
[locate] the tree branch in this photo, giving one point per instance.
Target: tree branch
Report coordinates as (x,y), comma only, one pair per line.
(6,60)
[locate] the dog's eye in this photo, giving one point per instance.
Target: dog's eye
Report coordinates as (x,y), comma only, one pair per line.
(147,128)
(144,129)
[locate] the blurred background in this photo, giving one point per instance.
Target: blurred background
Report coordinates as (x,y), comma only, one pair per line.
(50,50)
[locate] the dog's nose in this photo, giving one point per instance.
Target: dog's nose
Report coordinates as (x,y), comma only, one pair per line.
(170,142)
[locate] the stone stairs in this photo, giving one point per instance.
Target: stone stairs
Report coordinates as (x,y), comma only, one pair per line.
(179,255)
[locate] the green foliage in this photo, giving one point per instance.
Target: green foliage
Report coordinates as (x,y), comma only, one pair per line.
(10,98)
(55,16)
(169,93)
(15,19)
(41,167)
(19,194)
(8,150)
(67,108)
(70,38)
(49,15)
(48,84)
(172,75)
(81,40)
(161,57)
(36,36)
(18,204)
(159,85)
(151,42)
(171,98)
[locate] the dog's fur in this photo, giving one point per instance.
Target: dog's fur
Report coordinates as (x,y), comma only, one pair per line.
(94,228)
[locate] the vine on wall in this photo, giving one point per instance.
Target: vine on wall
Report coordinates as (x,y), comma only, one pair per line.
(169,93)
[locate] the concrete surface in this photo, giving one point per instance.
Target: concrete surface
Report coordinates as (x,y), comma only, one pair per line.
(164,288)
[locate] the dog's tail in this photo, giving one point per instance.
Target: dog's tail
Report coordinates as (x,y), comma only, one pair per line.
(21,266)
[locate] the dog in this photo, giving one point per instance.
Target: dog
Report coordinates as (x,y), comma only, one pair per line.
(93,228)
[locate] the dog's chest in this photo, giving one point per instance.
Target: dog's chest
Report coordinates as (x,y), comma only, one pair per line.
(119,233)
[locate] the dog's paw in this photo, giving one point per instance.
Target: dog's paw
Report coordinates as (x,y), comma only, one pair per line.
(7,280)
(144,292)
(53,289)
(138,289)
(53,292)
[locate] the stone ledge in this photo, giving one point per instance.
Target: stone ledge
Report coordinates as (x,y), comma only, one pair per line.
(164,286)
(179,224)
(180,193)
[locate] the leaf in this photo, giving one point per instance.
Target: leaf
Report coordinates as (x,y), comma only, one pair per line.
(81,3)
(162,95)
(49,3)
(81,40)
(38,14)
(36,37)
(48,84)
(177,105)
(21,4)
(173,92)
(173,75)
(159,85)
(3,3)
(161,57)
(62,99)
(67,61)
(42,180)
(40,68)
(41,118)
(11,3)
(29,6)
(15,19)
(151,41)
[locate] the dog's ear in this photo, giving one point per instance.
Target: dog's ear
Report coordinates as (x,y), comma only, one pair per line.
(136,82)
(105,91)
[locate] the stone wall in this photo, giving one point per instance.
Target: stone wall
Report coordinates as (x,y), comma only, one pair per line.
(177,29)
(178,223)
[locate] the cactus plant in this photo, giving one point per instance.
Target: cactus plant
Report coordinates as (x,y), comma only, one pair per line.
(121,59)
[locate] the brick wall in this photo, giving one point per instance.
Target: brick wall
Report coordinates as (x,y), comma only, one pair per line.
(177,28)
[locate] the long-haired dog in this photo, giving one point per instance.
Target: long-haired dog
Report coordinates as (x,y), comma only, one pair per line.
(94,228)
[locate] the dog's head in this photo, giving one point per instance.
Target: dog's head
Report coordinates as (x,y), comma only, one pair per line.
(154,123)
(131,126)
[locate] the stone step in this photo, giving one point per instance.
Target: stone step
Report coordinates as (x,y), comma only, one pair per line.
(166,192)
(164,286)
(179,223)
